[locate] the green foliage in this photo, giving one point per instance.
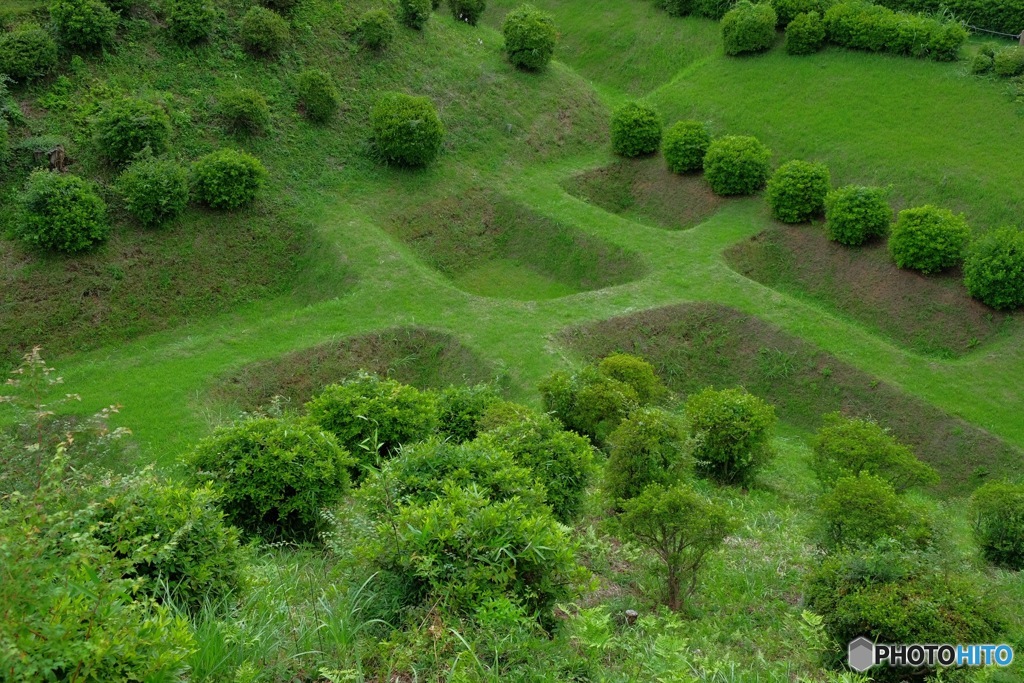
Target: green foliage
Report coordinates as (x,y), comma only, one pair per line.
(865,26)
(190,21)
(982,63)
(154,190)
(682,528)
(530,37)
(317,95)
(732,432)
(637,373)
(675,8)
(648,447)
(994,269)
(805,34)
(372,417)
(27,52)
(1005,16)
(83,24)
(227,179)
(376,29)
(588,402)
(282,6)
(468,11)
(685,144)
(264,31)
(244,111)
(1009,61)
(796,191)
(712,9)
(929,239)
(636,130)
(845,447)
(61,213)
(736,165)
(274,476)
(127,126)
(748,28)
(414,13)
(460,408)
(855,214)
(407,129)
(860,510)
(998,508)
(789,10)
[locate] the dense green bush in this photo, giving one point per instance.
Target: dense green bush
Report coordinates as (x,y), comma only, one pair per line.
(588,402)
(748,28)
(128,126)
(62,213)
(636,130)
(859,510)
(264,31)
(712,9)
(317,95)
(675,8)
(414,13)
(83,24)
(788,10)
(281,6)
(855,215)
(845,447)
(154,190)
(994,269)
(684,146)
(863,25)
(648,447)
(637,373)
(468,11)
(244,111)
(796,191)
(929,239)
(1005,16)
(406,129)
(805,34)
(998,509)
(375,29)
(372,417)
(982,63)
(732,432)
(460,409)
(27,52)
(1009,61)
(227,179)
(190,21)
(736,164)
(274,476)
(530,37)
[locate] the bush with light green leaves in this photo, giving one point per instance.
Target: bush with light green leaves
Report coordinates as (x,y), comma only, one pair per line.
(684,146)
(227,179)
(796,191)
(748,28)
(530,37)
(736,165)
(26,53)
(61,212)
(154,190)
(855,215)
(732,432)
(406,129)
(636,130)
(648,447)
(929,239)
(998,510)
(994,269)
(83,24)
(128,126)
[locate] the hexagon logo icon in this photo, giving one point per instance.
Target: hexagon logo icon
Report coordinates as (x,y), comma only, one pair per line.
(862,654)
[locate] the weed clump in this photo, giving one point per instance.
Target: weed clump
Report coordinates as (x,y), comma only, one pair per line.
(244,111)
(414,13)
(468,11)
(190,21)
(376,29)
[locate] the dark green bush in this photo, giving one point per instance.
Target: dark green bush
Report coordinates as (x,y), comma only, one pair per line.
(27,52)
(468,11)
(859,510)
(588,402)
(406,129)
(1005,16)
(998,509)
(865,26)
(982,63)
(675,8)
(685,144)
(62,213)
(929,239)
(788,10)
(190,21)
(805,34)
(376,29)
(994,269)
(227,179)
(1009,61)
(732,432)
(126,127)
(317,95)
(648,447)
(154,190)
(748,28)
(845,447)
(712,9)
(796,191)
(736,164)
(636,130)
(530,37)
(244,111)
(274,476)
(460,409)
(83,24)
(264,31)
(855,215)
(281,6)
(414,13)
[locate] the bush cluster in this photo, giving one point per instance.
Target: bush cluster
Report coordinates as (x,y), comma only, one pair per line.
(154,190)
(317,95)
(736,165)
(732,431)
(796,191)
(414,13)
(862,25)
(855,214)
(712,9)
(227,179)
(61,213)
(126,127)
(1005,16)
(83,24)
(636,130)
(1009,61)
(588,402)
(190,21)
(461,408)
(748,28)
(530,37)
(994,269)
(998,509)
(928,239)
(27,52)
(264,31)
(468,11)
(789,10)
(805,34)
(244,111)
(406,129)
(637,373)
(684,146)
(648,447)
(376,29)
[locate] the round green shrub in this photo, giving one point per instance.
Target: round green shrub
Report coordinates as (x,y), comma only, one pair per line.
(588,402)
(732,430)
(530,37)
(264,31)
(1009,61)
(736,165)
(855,214)
(805,35)
(982,63)
(685,144)
(994,269)
(636,130)
(83,24)
(468,11)
(376,29)
(712,9)
(317,95)
(460,409)
(244,111)
(637,373)
(227,179)
(748,28)
(946,41)
(998,509)
(648,447)
(190,21)
(796,191)
(929,239)
(62,213)
(154,190)
(862,509)
(26,53)
(274,476)
(788,10)
(406,129)
(126,127)
(414,13)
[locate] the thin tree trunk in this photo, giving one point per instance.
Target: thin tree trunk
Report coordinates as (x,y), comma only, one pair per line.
(673,588)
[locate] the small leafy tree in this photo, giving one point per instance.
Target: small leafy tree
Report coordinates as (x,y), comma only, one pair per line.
(61,212)
(636,130)
(414,13)
(530,37)
(732,432)
(749,28)
(588,402)
(227,179)
(407,129)
(244,111)
(998,509)
(686,143)
(154,190)
(860,510)
(264,31)
(929,239)
(994,269)
(648,447)
(376,29)
(855,215)
(83,24)
(128,126)
(796,191)
(736,165)
(317,95)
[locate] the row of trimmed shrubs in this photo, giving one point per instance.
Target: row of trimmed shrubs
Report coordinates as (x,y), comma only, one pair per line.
(1004,16)
(1006,62)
